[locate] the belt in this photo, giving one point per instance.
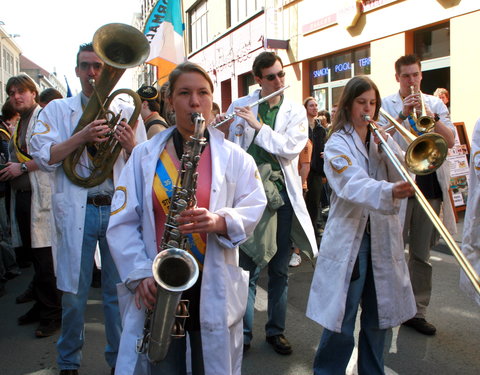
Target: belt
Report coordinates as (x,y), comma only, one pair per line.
(100,200)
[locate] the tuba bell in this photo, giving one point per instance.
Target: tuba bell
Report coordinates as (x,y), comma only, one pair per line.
(120,47)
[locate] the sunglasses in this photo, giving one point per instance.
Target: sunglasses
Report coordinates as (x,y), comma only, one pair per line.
(271,77)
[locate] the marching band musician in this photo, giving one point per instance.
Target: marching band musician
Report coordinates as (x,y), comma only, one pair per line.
(418,228)
(82,214)
(361,259)
(230,201)
(470,243)
(274,133)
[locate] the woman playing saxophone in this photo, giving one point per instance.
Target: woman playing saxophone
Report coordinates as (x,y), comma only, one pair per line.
(229,202)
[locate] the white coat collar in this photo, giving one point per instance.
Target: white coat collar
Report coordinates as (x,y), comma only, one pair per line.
(349,129)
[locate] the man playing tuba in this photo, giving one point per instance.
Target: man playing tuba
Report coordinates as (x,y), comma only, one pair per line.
(82,214)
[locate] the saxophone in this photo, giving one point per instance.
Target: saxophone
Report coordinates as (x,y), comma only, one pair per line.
(174,269)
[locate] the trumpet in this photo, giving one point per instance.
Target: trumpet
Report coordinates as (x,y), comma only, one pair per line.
(423,123)
(425,153)
(457,253)
(254,104)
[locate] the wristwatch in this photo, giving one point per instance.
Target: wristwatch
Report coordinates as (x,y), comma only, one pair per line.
(24,168)
(401,116)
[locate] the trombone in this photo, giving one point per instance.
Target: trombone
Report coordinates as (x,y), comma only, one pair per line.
(459,256)
(425,153)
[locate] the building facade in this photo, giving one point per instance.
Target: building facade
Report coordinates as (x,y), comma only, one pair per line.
(42,78)
(9,60)
(324,43)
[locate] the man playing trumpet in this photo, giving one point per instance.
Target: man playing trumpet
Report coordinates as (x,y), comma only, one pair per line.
(408,106)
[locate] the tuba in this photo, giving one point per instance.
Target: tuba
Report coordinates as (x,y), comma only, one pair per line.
(121,47)
(174,269)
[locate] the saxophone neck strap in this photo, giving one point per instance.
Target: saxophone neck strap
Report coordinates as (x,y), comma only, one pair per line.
(163,186)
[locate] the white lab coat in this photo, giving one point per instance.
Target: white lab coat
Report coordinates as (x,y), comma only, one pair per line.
(393,104)
(286,142)
(237,194)
(56,124)
(41,201)
(360,191)
(471,223)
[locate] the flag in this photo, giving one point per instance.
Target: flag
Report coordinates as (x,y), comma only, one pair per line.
(69,92)
(164,31)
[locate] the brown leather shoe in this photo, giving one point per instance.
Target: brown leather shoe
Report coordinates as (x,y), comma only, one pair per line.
(47,328)
(421,325)
(280,344)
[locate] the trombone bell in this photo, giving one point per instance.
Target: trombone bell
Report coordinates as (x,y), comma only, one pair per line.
(425,153)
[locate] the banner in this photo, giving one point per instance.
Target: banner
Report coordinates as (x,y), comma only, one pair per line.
(164,31)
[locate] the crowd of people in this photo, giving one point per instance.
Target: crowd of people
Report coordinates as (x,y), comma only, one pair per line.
(263,173)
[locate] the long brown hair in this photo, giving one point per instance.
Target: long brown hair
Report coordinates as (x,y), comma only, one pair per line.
(354,88)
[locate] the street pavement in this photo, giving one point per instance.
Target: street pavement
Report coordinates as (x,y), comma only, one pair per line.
(453,350)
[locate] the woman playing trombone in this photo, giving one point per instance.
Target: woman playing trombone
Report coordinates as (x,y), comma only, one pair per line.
(361,258)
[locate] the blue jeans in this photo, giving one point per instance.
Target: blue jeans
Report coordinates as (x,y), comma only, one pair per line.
(277,277)
(335,349)
(71,340)
(175,361)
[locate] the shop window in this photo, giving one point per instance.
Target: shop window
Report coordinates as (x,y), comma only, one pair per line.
(340,66)
(432,42)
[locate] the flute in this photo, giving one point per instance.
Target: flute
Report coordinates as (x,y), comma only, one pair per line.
(258,102)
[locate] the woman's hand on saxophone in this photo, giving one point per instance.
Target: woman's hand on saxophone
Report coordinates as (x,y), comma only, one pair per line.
(200,220)
(146,293)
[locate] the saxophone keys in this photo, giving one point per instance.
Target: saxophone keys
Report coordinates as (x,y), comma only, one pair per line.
(182,309)
(178,330)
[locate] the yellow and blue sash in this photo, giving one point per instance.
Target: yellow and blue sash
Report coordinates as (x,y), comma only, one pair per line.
(163,184)
(22,156)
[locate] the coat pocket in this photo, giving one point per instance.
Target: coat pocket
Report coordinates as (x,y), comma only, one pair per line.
(237,293)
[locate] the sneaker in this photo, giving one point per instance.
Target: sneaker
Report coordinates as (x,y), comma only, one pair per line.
(295,260)
(280,344)
(48,328)
(421,325)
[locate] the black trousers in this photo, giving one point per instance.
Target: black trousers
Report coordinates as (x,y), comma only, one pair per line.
(313,199)
(48,301)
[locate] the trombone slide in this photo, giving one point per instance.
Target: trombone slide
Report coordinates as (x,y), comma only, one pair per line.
(452,245)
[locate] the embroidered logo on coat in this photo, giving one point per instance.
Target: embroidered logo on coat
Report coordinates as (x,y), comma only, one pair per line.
(340,163)
(239,130)
(476,160)
(119,200)
(41,128)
